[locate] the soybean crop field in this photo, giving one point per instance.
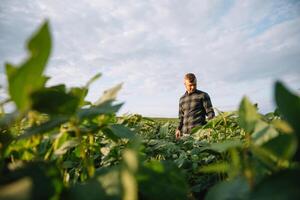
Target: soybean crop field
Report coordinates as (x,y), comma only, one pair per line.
(57,145)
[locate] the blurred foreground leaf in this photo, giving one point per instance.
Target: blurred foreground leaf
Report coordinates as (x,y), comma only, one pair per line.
(28,77)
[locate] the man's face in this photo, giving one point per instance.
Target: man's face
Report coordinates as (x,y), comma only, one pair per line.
(190,86)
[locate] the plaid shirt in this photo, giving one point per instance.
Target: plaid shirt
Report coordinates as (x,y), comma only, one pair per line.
(192,110)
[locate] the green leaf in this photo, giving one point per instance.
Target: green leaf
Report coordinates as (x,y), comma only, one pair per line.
(35,180)
(17,190)
(283,146)
(121,131)
(109,95)
(283,185)
(289,105)
(43,128)
(80,93)
(161,180)
(66,146)
(54,101)
(247,115)
(265,156)
(263,132)
(164,130)
(129,169)
(236,189)
(224,146)
(106,184)
(220,167)
(94,78)
(104,108)
(27,78)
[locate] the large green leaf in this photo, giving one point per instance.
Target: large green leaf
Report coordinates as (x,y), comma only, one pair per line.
(161,180)
(106,184)
(121,131)
(35,180)
(104,108)
(263,133)
(283,185)
(28,77)
(289,105)
(236,189)
(44,127)
(283,146)
(247,115)
(54,101)
(223,146)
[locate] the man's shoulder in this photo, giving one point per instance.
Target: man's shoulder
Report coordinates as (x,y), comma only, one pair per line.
(183,96)
(201,93)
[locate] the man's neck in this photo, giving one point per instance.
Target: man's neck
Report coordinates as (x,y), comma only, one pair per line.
(191,91)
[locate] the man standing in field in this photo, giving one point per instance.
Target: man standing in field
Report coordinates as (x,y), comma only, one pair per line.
(194,106)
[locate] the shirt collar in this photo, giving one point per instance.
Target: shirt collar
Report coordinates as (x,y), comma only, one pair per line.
(186,93)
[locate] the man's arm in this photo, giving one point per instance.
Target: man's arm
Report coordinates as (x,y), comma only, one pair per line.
(208,107)
(180,116)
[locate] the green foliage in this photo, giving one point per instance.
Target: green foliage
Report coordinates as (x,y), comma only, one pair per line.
(28,77)
(248,115)
(56,145)
(54,101)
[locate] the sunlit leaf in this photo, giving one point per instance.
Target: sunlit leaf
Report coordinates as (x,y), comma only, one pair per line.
(66,146)
(104,108)
(129,183)
(26,78)
(247,115)
(94,78)
(80,93)
(220,167)
(109,95)
(263,132)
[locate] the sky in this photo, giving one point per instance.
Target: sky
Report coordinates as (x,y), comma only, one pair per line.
(235,48)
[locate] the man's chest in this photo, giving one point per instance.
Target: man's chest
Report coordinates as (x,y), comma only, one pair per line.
(192,102)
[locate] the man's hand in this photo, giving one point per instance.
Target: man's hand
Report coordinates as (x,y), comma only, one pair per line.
(177,134)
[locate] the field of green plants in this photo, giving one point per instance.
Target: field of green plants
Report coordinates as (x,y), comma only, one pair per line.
(57,145)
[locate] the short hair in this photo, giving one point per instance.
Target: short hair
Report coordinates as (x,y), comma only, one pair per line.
(191,77)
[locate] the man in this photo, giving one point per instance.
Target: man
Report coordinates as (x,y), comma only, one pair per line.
(194,106)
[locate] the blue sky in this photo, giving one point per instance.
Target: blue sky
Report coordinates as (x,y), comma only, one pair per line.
(235,48)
